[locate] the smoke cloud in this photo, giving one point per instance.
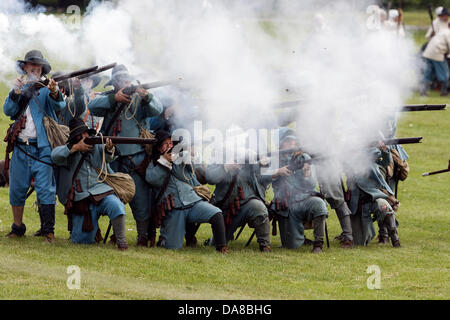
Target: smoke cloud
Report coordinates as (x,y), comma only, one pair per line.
(238,58)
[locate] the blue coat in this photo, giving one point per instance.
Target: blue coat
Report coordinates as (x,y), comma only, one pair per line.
(104,105)
(373,181)
(252,183)
(294,188)
(87,175)
(42,105)
(181,182)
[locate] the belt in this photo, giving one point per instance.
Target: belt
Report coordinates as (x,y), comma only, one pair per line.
(31,142)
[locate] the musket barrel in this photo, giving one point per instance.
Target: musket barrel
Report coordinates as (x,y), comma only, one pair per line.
(402,140)
(75,73)
(104,68)
(423,107)
(118,140)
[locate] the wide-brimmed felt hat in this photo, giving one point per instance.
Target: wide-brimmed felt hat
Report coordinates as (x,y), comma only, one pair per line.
(160,136)
(117,72)
(77,127)
(35,56)
(444,12)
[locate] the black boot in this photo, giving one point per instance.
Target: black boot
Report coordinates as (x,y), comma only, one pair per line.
(191,230)
(317,247)
(17,231)
(48,218)
(383,237)
(444,91)
(343,213)
(391,224)
(39,232)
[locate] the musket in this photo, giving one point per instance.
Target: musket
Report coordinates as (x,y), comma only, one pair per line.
(436,172)
(430,13)
(405,108)
(43,83)
(118,140)
(150,85)
(401,140)
(423,107)
(98,70)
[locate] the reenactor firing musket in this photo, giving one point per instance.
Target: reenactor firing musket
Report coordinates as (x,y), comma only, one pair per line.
(436,172)
(117,140)
(150,85)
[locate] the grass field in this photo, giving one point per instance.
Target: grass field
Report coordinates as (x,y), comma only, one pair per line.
(32,269)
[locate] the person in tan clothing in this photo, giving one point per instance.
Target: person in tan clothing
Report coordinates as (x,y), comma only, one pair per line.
(436,64)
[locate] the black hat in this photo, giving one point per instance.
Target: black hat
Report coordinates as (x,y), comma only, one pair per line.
(444,12)
(77,127)
(160,136)
(95,80)
(118,71)
(35,56)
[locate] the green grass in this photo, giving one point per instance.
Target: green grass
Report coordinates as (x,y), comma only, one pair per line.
(32,269)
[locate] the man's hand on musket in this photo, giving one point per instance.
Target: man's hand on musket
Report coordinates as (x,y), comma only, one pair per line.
(143,93)
(381,145)
(307,170)
(282,172)
(109,145)
(82,147)
(18,84)
(168,155)
(122,97)
(53,87)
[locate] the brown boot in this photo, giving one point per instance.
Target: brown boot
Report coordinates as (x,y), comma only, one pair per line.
(265,248)
(223,250)
(317,247)
(122,247)
(347,244)
(50,238)
(142,241)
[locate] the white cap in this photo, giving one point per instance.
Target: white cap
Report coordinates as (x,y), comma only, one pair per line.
(439,10)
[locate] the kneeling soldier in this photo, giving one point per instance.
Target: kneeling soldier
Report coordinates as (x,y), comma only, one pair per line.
(178,201)
(240,193)
(88,199)
(295,199)
(371,194)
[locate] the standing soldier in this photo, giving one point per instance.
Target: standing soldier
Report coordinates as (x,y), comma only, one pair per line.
(31,155)
(295,199)
(124,116)
(88,84)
